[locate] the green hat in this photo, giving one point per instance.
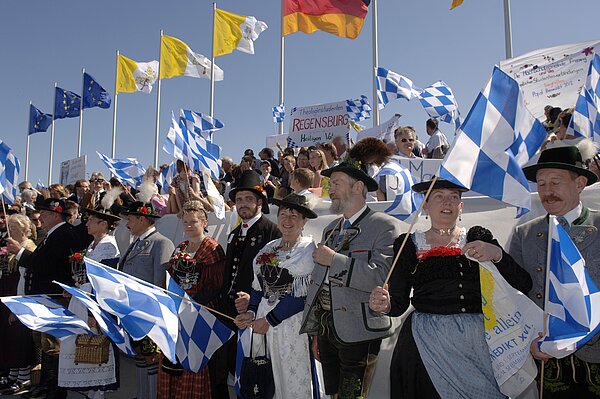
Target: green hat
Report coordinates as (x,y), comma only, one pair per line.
(567,158)
(101,213)
(354,170)
(297,202)
(139,208)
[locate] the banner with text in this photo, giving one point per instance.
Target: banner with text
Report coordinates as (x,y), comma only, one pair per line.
(319,123)
(551,76)
(72,170)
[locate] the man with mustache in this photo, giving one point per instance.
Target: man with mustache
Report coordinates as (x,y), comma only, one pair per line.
(561,175)
(354,256)
(243,244)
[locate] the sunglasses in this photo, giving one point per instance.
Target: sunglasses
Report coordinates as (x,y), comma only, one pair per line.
(405,140)
(96,180)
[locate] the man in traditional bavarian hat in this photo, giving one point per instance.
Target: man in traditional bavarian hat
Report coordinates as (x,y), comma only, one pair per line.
(561,176)
(354,257)
(146,258)
(48,262)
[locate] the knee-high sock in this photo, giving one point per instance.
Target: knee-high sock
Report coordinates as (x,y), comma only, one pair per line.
(141,377)
(25,374)
(152,381)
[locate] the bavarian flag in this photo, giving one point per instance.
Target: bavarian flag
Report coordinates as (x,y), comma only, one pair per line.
(135,76)
(343,18)
(177,59)
(235,32)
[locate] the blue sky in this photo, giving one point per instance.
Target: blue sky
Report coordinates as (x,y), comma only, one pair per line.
(47,41)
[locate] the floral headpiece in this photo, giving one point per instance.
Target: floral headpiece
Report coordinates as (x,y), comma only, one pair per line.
(55,206)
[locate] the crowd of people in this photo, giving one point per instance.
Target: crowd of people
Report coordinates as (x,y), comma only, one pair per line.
(306,301)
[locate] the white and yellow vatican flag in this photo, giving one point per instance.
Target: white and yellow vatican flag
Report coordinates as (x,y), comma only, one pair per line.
(235,32)
(135,76)
(177,59)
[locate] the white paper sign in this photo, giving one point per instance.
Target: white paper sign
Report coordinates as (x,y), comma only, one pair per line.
(385,131)
(72,170)
(319,123)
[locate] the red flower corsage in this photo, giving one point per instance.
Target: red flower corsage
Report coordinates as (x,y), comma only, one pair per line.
(441,251)
(144,210)
(260,188)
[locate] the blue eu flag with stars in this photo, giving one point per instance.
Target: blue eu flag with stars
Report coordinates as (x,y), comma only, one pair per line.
(67,104)
(38,121)
(94,95)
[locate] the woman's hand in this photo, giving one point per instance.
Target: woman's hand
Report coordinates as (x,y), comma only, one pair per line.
(242,301)
(314,347)
(482,251)
(536,352)
(244,320)
(260,326)
(379,301)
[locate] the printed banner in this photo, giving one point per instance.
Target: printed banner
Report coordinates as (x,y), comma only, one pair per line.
(420,168)
(319,123)
(551,76)
(72,170)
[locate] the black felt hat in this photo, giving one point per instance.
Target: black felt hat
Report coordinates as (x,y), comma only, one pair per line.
(52,205)
(567,158)
(104,214)
(250,181)
(353,169)
(139,208)
(297,202)
(423,186)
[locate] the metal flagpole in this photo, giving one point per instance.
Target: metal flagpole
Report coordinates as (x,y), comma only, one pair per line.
(507,29)
(375,64)
(114,129)
(281,66)
(81,113)
(157,103)
(212,69)
(52,139)
(27,143)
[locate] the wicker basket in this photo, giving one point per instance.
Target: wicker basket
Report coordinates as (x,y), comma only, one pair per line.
(92,349)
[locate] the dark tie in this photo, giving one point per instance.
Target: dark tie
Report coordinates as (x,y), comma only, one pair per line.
(133,244)
(343,230)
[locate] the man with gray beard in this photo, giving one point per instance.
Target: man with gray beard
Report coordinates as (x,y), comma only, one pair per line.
(354,256)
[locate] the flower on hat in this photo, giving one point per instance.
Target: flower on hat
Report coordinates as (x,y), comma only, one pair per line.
(260,188)
(144,210)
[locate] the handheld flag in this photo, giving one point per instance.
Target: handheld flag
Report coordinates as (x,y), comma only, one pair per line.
(405,201)
(104,321)
(67,104)
(199,123)
(278,113)
(40,313)
(38,121)
(439,102)
(573,300)
(177,59)
(482,157)
(200,332)
(94,95)
(585,121)
(9,173)
(143,309)
(344,18)
(244,348)
(166,177)
(359,109)
(235,32)
(127,170)
(135,76)
(391,86)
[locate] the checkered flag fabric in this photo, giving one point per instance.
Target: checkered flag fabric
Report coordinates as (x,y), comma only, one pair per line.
(9,173)
(166,177)
(359,109)
(244,348)
(143,309)
(191,148)
(279,113)
(391,85)
(105,322)
(127,170)
(291,143)
(405,201)
(439,102)
(200,124)
(482,156)
(586,115)
(40,313)
(200,332)
(573,301)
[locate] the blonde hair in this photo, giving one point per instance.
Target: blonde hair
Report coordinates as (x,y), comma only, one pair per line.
(24,224)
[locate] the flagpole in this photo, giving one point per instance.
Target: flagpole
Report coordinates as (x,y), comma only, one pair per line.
(52,139)
(507,29)
(212,69)
(375,64)
(114,127)
(281,66)
(27,143)
(157,104)
(81,112)
(546,290)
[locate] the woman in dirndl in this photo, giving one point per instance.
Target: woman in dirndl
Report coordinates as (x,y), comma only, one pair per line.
(282,271)
(441,350)
(197,265)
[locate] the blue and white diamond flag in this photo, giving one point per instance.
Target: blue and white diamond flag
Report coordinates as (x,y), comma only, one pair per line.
(496,138)
(279,113)
(200,332)
(105,322)
(9,173)
(585,121)
(191,148)
(143,309)
(244,348)
(439,103)
(359,109)
(399,181)
(573,302)
(199,123)
(166,177)
(127,170)
(391,86)
(291,143)
(40,313)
